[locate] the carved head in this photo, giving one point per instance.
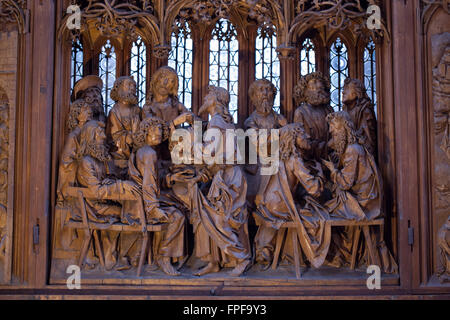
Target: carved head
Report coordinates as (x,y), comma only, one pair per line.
(293,138)
(152,131)
(313,89)
(93,141)
(164,82)
(80,112)
(124,91)
(262,94)
(354,90)
(216,101)
(88,83)
(342,131)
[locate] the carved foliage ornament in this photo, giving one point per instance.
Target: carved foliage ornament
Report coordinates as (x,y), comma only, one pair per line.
(11,12)
(444,3)
(336,14)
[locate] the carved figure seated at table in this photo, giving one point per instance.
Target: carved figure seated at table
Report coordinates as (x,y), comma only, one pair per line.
(356,190)
(277,205)
(92,174)
(219,219)
(143,169)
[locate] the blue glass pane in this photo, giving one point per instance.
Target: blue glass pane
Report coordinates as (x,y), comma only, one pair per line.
(224,61)
(267,63)
(370,74)
(181,60)
(107,72)
(76,72)
(307,57)
(338,72)
(139,67)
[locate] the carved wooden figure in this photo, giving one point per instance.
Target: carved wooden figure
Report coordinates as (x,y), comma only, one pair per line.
(220,219)
(123,118)
(312,97)
(143,168)
(277,206)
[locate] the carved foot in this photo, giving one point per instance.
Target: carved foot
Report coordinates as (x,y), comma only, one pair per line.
(240,268)
(166,266)
(209,268)
(123,264)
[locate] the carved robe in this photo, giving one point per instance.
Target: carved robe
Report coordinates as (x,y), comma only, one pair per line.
(220,218)
(91,174)
(166,111)
(278,207)
(313,120)
(363,117)
(258,121)
(122,123)
(143,170)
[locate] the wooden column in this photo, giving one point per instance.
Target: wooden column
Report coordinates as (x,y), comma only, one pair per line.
(287,61)
(405,131)
(34,138)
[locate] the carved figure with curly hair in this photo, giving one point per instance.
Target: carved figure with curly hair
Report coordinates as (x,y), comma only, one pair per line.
(124,117)
(143,169)
(163,102)
(312,98)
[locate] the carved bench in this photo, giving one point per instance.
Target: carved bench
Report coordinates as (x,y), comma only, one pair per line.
(92,228)
(298,258)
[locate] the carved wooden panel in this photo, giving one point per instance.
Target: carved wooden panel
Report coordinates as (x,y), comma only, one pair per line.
(8,75)
(435,19)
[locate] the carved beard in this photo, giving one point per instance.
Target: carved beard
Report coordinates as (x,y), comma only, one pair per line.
(317,98)
(128,98)
(265,106)
(339,142)
(98,151)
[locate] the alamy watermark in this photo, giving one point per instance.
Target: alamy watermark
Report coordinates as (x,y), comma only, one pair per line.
(74,280)
(228,148)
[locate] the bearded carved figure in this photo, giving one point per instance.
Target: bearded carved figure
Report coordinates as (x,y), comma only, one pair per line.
(262,95)
(92,174)
(124,117)
(89,89)
(312,96)
(360,109)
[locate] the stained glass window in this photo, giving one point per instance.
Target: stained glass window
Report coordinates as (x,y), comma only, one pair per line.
(77,62)
(370,73)
(224,61)
(107,72)
(138,68)
(307,57)
(180,59)
(338,72)
(267,63)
